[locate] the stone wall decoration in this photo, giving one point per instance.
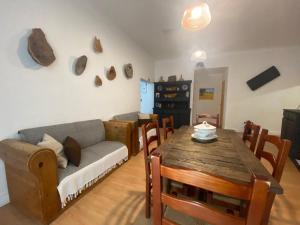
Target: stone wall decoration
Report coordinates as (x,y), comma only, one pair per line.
(39,48)
(111,73)
(97,45)
(98,81)
(80,65)
(128,70)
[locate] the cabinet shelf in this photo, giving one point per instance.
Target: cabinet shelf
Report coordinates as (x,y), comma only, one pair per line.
(172,100)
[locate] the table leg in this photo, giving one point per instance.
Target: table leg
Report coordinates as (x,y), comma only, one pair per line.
(269,205)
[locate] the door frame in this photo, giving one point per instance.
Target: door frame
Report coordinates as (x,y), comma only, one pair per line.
(206,71)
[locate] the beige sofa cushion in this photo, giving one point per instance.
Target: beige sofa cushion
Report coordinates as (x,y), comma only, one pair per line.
(57,147)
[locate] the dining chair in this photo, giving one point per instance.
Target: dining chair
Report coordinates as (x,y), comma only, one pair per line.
(250,134)
(148,148)
(277,161)
(211,119)
(255,193)
(168,126)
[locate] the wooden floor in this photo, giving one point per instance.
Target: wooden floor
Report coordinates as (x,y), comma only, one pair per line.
(119,200)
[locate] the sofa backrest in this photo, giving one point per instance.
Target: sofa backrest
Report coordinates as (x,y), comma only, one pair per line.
(86,133)
(133,116)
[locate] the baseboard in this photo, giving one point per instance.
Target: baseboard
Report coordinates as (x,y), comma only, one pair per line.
(4,199)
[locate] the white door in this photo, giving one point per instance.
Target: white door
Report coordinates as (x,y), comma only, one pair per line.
(4,198)
(146,97)
(209,92)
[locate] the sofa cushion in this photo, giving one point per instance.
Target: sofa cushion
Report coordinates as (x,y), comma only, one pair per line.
(57,147)
(72,150)
(86,133)
(133,116)
(90,155)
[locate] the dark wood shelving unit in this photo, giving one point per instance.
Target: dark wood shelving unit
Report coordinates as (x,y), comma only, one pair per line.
(291,130)
(173,98)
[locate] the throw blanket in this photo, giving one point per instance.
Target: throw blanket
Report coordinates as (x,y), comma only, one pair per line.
(71,186)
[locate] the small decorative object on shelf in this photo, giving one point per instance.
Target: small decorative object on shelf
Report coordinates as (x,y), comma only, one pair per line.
(97,45)
(39,48)
(181,78)
(161,79)
(173,95)
(173,98)
(159,87)
(111,73)
(128,70)
(98,81)
(184,87)
(80,65)
(298,107)
(171,88)
(172,78)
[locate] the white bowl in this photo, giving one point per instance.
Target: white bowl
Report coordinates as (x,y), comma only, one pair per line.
(204,130)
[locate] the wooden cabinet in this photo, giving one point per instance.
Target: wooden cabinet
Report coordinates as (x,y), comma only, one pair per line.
(173,98)
(291,130)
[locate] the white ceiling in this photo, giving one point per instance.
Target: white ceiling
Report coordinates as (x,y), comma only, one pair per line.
(236,25)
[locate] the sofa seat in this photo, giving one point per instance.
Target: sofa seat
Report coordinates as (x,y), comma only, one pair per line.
(96,161)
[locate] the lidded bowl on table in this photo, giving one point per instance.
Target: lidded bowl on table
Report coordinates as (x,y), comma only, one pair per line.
(204,131)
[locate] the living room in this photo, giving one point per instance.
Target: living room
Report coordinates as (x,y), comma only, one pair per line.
(98,52)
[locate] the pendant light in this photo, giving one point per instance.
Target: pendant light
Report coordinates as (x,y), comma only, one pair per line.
(199,56)
(196,17)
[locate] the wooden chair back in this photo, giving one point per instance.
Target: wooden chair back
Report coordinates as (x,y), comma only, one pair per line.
(211,119)
(256,193)
(277,161)
(250,134)
(147,141)
(168,125)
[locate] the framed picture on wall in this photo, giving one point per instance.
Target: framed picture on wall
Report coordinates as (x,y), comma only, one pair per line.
(206,93)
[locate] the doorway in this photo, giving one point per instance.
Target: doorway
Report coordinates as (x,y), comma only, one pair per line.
(210,92)
(146,96)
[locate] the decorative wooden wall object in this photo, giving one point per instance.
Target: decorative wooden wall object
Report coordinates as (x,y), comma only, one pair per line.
(128,70)
(98,81)
(97,45)
(39,48)
(111,74)
(80,65)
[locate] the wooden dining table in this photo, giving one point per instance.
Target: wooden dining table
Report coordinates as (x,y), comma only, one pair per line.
(227,157)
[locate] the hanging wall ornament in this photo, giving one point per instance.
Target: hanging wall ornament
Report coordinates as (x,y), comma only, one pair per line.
(98,81)
(39,48)
(128,70)
(97,45)
(111,73)
(80,65)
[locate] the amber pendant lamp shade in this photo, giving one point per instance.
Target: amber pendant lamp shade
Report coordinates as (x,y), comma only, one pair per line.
(196,17)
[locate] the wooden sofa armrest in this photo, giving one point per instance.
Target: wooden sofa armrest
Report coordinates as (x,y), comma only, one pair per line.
(32,178)
(119,131)
(154,116)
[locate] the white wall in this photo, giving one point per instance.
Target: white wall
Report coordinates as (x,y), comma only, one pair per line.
(32,96)
(264,106)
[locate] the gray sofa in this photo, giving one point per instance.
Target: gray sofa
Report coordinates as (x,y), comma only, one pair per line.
(46,188)
(136,134)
